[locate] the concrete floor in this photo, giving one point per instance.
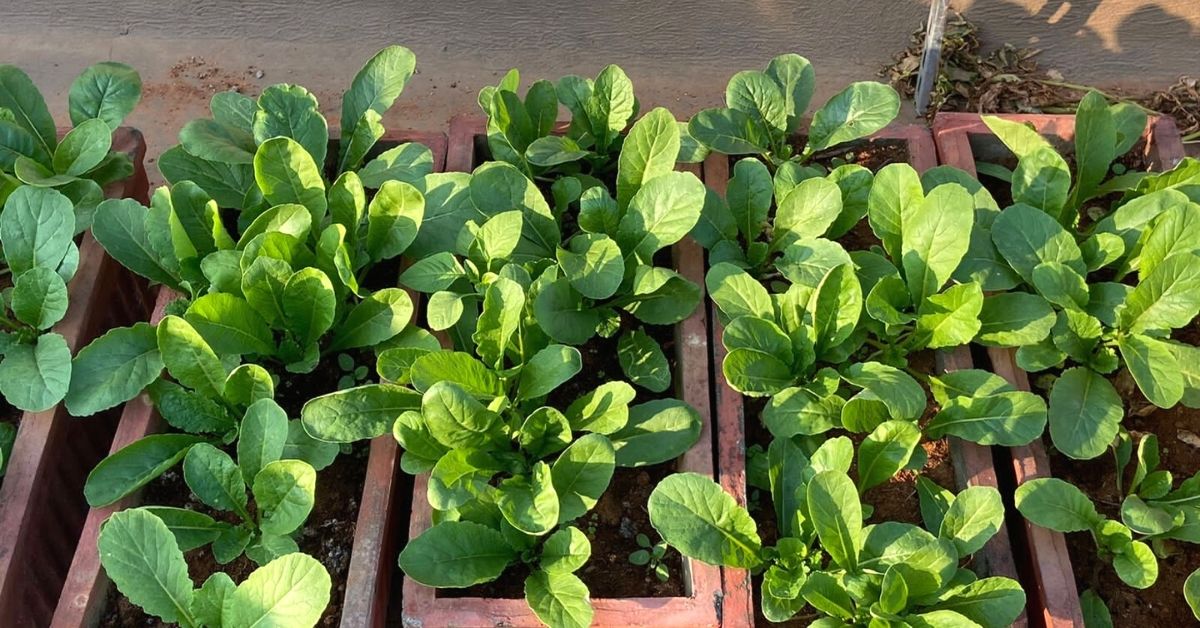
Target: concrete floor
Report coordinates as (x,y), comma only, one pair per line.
(679,54)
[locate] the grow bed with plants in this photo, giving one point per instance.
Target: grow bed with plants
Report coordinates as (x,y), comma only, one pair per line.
(61,292)
(1112,355)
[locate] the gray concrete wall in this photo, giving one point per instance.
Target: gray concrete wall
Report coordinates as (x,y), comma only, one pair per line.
(678,53)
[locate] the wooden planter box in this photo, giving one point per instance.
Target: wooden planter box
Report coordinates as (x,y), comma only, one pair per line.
(41,495)
(1053,598)
(702,607)
(85,593)
(973,464)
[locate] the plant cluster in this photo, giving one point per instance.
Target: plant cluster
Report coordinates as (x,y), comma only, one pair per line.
(297,262)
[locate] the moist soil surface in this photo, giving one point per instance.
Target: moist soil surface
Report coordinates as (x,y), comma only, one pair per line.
(894,500)
(620,514)
(328,535)
(1179,447)
(870,154)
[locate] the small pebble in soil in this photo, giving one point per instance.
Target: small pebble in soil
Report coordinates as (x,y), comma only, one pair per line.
(628,530)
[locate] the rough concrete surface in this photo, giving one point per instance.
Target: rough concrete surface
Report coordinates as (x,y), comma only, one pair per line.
(679,54)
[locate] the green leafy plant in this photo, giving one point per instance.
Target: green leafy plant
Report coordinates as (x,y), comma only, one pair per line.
(291,289)
(1100,302)
(764,109)
(651,556)
(603,279)
(145,560)
(83,162)
(521,132)
(850,575)
(1043,178)
(507,471)
(49,190)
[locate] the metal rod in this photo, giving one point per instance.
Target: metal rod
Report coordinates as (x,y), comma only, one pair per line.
(931,55)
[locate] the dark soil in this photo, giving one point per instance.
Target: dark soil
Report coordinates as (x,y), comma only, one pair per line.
(612,527)
(295,389)
(1179,447)
(328,535)
(601,364)
(870,154)
(894,500)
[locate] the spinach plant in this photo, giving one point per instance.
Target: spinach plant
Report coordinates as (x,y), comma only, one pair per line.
(83,162)
(1108,302)
(521,132)
(290,290)
(145,560)
(213,410)
(826,559)
(602,280)
(39,254)
(764,109)
(1043,178)
(1153,515)
(651,555)
(49,190)
(507,472)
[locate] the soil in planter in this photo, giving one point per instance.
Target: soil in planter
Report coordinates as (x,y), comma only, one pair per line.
(1179,447)
(328,535)
(894,500)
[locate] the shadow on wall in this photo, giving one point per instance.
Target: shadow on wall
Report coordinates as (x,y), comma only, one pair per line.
(1136,43)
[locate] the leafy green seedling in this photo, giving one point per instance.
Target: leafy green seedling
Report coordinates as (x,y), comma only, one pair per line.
(602,280)
(651,557)
(144,558)
(764,109)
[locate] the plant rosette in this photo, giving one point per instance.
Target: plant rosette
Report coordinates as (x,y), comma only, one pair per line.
(850,574)
(508,475)
(49,189)
(292,287)
(604,279)
(525,132)
(764,109)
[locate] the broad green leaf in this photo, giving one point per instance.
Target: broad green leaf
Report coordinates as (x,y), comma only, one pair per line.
(759,96)
(1060,285)
(1014,319)
(1095,144)
(140,555)
(1095,613)
(188,358)
(901,393)
(1009,419)
(836,516)
(309,305)
(657,431)
(895,194)
(993,601)
(1019,137)
(736,293)
(827,595)
(974,516)
(1154,368)
(1137,566)
(1176,232)
(355,414)
(83,148)
(1191,592)
(213,141)
(581,474)
(563,315)
(409,162)
(1042,180)
(499,319)
(603,410)
(559,599)
(191,529)
(1169,298)
(286,173)
(456,554)
(456,419)
(693,514)
(855,112)
(795,75)
(377,85)
(292,590)
(650,150)
(565,551)
(106,90)
(728,131)
(934,239)
(113,369)
(529,502)
(214,478)
(749,197)
(950,318)
(291,111)
(807,211)
(548,369)
(662,211)
(1027,236)
(643,361)
(36,227)
(593,265)
(230,325)
(554,150)
(21,97)
(433,273)
(1084,412)
(135,465)
(1055,504)
(34,377)
(885,451)
(284,491)
(794,411)
(263,436)
(393,219)
(463,369)
(375,319)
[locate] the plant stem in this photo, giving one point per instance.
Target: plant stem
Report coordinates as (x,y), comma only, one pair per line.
(1089,88)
